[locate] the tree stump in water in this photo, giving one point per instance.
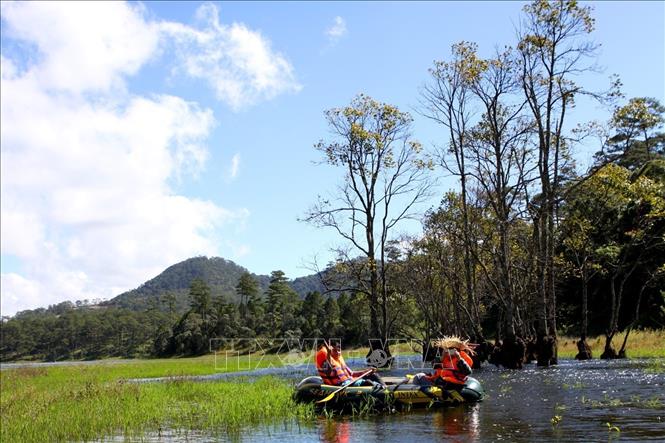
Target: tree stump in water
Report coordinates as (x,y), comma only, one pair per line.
(495,357)
(483,352)
(584,350)
(609,353)
(513,353)
(530,351)
(509,354)
(546,350)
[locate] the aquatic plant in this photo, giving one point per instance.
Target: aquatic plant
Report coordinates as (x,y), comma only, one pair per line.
(556,420)
(655,366)
(576,385)
(611,428)
(560,408)
(635,401)
(654,403)
(365,408)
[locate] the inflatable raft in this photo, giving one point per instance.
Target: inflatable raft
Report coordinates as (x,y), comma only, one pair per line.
(399,392)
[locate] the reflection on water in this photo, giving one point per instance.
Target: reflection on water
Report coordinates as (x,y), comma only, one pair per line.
(333,431)
(458,422)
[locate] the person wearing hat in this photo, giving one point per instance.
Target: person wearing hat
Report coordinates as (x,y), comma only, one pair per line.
(455,365)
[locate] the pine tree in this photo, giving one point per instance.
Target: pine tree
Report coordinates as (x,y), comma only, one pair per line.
(199,294)
(246,288)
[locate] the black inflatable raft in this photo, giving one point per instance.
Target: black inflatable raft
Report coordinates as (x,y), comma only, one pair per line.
(399,392)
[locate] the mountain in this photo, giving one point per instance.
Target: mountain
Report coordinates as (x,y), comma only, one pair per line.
(219,274)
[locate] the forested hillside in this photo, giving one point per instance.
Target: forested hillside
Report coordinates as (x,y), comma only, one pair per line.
(169,291)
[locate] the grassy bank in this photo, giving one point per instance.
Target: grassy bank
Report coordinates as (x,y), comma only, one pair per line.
(641,344)
(95,401)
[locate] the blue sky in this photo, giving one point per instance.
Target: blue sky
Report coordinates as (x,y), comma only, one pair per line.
(138,135)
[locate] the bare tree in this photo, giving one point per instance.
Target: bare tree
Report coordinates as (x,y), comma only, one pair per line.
(385,178)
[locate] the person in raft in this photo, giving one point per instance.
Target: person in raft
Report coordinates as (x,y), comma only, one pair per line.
(455,365)
(334,371)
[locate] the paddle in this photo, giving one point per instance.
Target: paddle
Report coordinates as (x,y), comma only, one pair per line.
(332,394)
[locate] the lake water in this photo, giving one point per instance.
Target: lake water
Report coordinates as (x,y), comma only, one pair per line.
(519,407)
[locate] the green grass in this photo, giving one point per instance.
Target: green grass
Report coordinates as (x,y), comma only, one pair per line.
(641,344)
(172,367)
(91,402)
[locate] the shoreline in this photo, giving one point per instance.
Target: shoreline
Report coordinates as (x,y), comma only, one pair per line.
(641,344)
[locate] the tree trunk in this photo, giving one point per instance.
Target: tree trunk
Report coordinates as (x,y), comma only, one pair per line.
(585,300)
(636,315)
(609,352)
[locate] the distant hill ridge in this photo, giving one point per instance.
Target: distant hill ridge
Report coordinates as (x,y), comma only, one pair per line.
(219,274)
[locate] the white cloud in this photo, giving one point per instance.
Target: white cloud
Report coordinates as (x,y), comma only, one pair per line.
(87,168)
(98,199)
(235,166)
(238,63)
(337,30)
(116,38)
(19,292)
(83,45)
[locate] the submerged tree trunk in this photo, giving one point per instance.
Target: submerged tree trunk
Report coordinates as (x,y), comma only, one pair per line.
(583,349)
(551,52)
(636,315)
(585,299)
(615,306)
(609,352)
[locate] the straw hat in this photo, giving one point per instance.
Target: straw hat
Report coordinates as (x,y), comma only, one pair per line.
(454,342)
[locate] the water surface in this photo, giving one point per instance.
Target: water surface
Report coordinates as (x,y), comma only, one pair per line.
(519,407)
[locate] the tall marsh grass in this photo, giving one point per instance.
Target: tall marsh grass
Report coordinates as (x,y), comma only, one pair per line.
(94,402)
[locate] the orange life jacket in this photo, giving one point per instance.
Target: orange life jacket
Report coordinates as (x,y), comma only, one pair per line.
(449,371)
(332,371)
